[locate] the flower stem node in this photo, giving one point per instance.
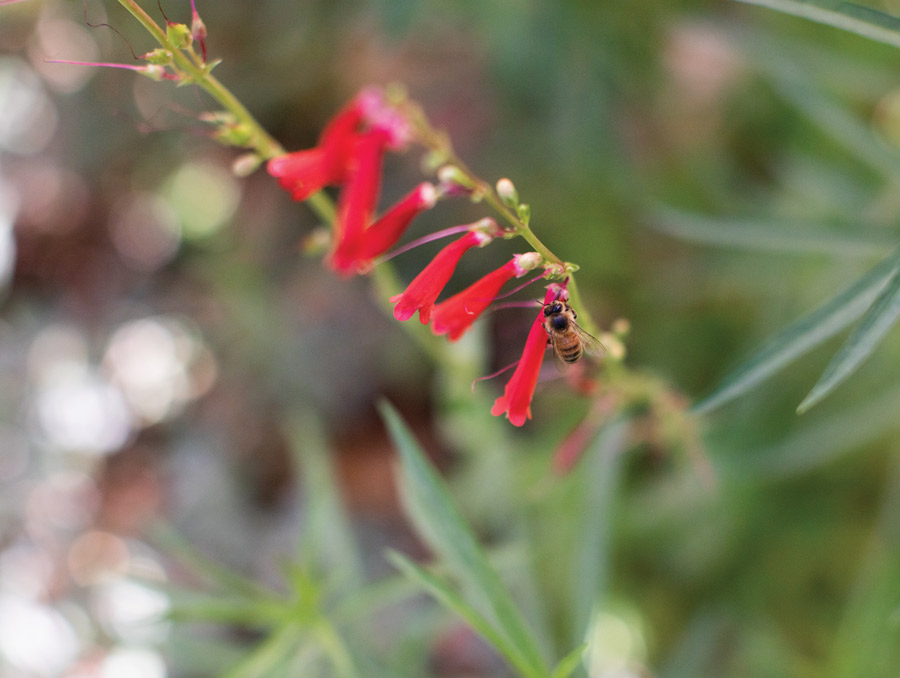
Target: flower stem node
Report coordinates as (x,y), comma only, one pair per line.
(453,181)
(178,34)
(554,271)
(488,229)
(507,193)
(234,134)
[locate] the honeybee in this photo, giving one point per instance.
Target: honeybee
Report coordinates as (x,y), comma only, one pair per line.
(568,340)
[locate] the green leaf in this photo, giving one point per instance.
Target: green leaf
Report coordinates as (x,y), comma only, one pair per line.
(865,21)
(431,509)
(326,543)
(865,337)
(803,335)
(441,591)
(753,234)
(570,662)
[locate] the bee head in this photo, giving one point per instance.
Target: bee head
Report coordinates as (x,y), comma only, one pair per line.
(553,307)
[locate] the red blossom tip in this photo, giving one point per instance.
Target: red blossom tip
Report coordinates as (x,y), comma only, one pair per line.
(515,402)
(425,288)
(379,114)
(455,316)
(384,233)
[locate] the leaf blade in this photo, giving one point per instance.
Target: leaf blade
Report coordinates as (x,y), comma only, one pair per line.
(441,591)
(865,21)
(751,234)
(431,508)
(802,335)
(866,336)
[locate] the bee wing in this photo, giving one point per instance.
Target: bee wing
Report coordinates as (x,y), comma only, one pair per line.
(590,344)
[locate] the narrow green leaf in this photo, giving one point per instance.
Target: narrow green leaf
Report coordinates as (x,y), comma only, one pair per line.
(865,21)
(862,341)
(430,506)
(570,662)
(803,335)
(327,542)
(753,234)
(441,591)
(601,472)
(843,126)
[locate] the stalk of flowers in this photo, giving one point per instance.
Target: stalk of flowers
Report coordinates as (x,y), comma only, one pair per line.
(349,155)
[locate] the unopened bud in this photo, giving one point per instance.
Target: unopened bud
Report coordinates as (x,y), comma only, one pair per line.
(153,71)
(524,212)
(621,327)
(246,164)
(529,261)
(508,194)
(159,56)
(615,347)
(234,135)
(317,243)
(179,35)
(488,227)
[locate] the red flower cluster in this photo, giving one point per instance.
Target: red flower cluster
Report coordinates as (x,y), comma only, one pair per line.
(349,155)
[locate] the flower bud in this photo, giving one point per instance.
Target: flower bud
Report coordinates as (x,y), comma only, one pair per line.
(507,192)
(528,261)
(179,35)
(159,56)
(246,164)
(155,72)
(524,212)
(621,327)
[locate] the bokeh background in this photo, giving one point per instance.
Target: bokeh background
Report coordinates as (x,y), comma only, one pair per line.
(168,356)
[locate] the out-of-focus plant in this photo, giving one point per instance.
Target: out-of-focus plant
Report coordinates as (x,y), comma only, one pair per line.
(874,299)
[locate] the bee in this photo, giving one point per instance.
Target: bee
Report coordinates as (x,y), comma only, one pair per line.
(568,340)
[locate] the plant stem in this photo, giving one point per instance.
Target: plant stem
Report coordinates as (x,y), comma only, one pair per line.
(259,139)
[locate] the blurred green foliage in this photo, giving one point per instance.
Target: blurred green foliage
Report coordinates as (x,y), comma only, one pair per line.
(717,170)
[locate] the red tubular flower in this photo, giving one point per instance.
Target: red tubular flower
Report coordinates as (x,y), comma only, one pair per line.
(516,399)
(356,204)
(303,173)
(422,292)
(382,235)
(455,315)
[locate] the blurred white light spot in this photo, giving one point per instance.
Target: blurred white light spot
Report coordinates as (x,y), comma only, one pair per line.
(27,116)
(145,231)
(59,38)
(616,648)
(154,361)
(204,196)
(132,611)
(36,638)
(134,663)
(25,570)
(83,413)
